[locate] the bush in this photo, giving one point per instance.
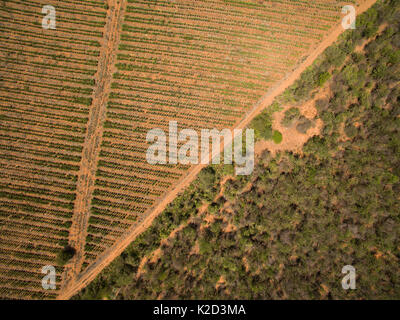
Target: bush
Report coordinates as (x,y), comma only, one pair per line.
(262,127)
(291,115)
(65,255)
(323,77)
(322,104)
(303,125)
(334,57)
(350,131)
(262,124)
(277,137)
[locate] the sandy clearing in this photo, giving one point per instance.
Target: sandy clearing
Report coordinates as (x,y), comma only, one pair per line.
(292,139)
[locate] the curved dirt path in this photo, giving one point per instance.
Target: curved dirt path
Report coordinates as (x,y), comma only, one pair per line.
(91,148)
(83,279)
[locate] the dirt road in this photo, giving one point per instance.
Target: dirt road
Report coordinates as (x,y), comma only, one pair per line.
(86,185)
(91,148)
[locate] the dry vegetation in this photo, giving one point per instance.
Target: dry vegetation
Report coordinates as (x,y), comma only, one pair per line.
(286,231)
(76,103)
(47,81)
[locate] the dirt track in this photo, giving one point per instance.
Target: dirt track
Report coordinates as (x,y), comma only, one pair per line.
(93,140)
(91,148)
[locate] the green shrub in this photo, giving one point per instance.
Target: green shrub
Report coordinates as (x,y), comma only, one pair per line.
(291,115)
(350,131)
(65,255)
(323,77)
(277,137)
(262,124)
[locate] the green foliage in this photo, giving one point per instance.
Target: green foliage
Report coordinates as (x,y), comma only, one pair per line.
(262,124)
(303,125)
(277,137)
(334,56)
(291,115)
(262,127)
(323,77)
(205,247)
(65,255)
(350,131)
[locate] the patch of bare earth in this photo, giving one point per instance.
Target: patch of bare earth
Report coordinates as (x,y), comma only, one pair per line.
(221,282)
(293,140)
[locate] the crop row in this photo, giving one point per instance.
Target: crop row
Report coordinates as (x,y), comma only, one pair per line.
(45,100)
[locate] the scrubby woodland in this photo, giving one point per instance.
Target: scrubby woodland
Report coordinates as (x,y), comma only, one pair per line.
(287,230)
